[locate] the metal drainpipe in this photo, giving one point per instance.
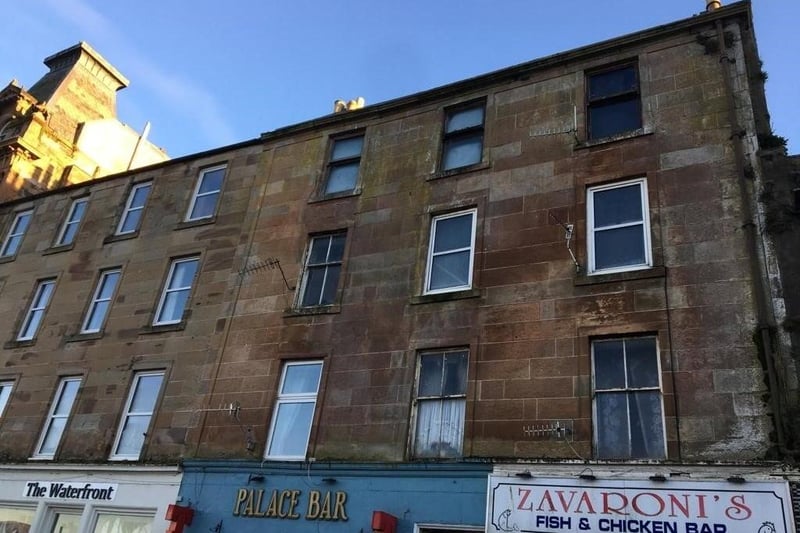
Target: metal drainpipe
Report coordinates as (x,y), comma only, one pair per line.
(762,314)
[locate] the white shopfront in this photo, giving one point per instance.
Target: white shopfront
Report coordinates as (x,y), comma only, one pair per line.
(629,502)
(86,498)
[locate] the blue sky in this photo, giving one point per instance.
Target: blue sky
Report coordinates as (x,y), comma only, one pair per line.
(208,73)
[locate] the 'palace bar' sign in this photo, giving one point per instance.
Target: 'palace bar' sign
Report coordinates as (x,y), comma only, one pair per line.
(291,504)
(560,505)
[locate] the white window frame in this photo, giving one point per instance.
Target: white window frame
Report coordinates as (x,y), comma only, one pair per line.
(645,223)
(166,290)
(131,209)
(14,232)
(36,310)
(627,390)
(439,398)
(126,412)
(429,265)
(96,300)
(69,221)
(197,194)
(51,416)
(6,388)
(293,398)
(326,265)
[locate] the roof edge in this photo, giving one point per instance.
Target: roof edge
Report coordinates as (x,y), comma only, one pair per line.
(482,80)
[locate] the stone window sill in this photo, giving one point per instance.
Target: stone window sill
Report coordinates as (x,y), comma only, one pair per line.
(164,328)
(10,345)
(645,273)
(195,223)
(335,196)
(641,132)
(316,310)
(58,249)
(483,165)
(83,337)
(121,237)
(7,258)
(445,296)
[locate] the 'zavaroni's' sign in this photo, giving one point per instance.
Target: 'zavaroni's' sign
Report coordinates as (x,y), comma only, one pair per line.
(291,504)
(102,492)
(635,506)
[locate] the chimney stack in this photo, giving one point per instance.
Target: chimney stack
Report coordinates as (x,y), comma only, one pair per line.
(711,5)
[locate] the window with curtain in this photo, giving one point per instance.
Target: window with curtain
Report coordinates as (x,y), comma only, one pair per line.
(441,400)
(628,410)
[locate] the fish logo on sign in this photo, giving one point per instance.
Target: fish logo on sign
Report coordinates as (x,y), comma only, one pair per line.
(504,525)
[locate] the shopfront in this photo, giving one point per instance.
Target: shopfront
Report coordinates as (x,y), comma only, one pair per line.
(631,501)
(312,497)
(86,498)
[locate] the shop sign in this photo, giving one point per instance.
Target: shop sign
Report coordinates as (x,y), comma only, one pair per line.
(99,492)
(560,505)
(291,504)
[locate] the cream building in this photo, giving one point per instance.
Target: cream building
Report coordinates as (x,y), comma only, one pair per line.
(64,129)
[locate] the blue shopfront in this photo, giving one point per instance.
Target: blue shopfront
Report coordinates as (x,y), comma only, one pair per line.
(244,496)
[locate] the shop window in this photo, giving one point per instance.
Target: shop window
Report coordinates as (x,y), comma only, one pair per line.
(35,313)
(613,101)
(134,207)
(322,270)
(15,234)
(5,394)
(176,292)
(343,165)
(294,411)
(139,409)
(19,519)
(101,301)
(64,520)
(618,224)
(57,418)
(206,194)
(628,411)
(463,137)
(441,399)
(73,221)
(122,523)
(451,252)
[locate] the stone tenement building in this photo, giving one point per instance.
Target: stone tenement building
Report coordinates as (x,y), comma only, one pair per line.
(542,299)
(64,129)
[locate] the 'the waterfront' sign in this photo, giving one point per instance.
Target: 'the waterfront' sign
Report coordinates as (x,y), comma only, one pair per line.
(102,492)
(560,505)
